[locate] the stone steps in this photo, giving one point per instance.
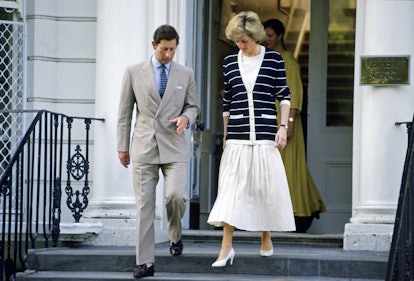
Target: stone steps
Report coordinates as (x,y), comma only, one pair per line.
(295,258)
(101,276)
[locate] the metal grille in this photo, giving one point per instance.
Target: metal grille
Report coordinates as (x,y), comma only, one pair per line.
(12,71)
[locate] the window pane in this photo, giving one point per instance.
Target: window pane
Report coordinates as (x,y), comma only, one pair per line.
(341,50)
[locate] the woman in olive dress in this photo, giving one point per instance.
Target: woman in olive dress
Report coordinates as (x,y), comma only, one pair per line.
(306,199)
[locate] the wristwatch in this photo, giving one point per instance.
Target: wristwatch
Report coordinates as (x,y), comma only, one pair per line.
(284,125)
(291,119)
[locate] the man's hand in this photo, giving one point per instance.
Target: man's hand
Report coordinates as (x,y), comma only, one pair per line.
(181,122)
(124,158)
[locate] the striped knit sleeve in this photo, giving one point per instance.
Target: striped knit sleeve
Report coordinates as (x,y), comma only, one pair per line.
(229,66)
(282,91)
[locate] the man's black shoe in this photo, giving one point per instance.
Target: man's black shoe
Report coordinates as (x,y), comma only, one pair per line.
(144,271)
(176,249)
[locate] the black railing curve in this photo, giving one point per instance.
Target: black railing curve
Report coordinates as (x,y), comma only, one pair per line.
(401,258)
(30,185)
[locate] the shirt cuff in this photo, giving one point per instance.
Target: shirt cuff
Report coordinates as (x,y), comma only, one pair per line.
(285,102)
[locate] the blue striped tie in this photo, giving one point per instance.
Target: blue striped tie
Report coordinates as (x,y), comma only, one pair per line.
(163,80)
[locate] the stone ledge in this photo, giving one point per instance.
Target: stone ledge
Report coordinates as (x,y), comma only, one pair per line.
(369,237)
(73,233)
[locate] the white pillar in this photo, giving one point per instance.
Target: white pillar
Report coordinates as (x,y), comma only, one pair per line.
(379,146)
(124,34)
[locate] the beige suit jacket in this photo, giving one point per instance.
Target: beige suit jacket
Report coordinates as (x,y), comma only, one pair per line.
(154,139)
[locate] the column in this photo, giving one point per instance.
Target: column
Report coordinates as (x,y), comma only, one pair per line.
(124,35)
(379,147)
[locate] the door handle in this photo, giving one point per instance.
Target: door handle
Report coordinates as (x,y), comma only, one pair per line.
(200,126)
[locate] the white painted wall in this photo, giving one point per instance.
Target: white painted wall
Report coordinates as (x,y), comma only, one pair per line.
(61,50)
(61,55)
(78,50)
(77,53)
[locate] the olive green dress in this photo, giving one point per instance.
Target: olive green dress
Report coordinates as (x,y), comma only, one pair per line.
(306,199)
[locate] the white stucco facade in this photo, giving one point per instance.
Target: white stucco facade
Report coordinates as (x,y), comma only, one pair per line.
(77,53)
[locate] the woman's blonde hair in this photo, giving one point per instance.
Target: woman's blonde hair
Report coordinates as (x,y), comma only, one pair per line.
(245,23)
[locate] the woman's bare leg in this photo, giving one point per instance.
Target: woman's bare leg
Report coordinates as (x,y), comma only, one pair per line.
(267,244)
(227,241)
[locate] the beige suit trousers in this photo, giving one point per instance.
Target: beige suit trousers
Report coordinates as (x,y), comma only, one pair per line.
(145,178)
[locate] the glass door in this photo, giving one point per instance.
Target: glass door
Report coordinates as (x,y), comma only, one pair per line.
(330,107)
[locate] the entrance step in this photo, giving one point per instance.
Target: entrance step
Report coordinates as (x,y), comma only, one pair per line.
(329,240)
(300,260)
(94,276)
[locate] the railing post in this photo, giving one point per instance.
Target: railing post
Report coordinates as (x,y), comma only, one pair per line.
(401,257)
(78,169)
(1,260)
(56,211)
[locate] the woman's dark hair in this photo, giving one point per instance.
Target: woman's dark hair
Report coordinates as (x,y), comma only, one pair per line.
(277,27)
(165,32)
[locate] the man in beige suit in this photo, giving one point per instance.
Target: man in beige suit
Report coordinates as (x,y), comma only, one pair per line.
(158,142)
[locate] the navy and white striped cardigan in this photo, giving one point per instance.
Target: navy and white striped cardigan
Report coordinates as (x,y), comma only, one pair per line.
(253,117)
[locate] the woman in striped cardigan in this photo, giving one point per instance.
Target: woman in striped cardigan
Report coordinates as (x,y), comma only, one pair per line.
(253,192)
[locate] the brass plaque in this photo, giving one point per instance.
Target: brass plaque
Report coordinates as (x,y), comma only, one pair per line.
(385,71)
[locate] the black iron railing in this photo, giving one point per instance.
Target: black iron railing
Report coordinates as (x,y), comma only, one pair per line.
(30,185)
(401,257)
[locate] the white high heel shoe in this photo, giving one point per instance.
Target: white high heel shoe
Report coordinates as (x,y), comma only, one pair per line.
(268,253)
(223,262)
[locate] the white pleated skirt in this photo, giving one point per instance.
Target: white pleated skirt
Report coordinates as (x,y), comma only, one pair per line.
(253,192)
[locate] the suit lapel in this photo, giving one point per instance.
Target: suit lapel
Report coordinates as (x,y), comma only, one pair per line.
(171,85)
(149,80)
(172,81)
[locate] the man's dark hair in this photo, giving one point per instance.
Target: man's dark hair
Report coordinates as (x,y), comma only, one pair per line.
(165,32)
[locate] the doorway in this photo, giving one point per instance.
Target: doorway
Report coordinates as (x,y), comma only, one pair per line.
(327,106)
